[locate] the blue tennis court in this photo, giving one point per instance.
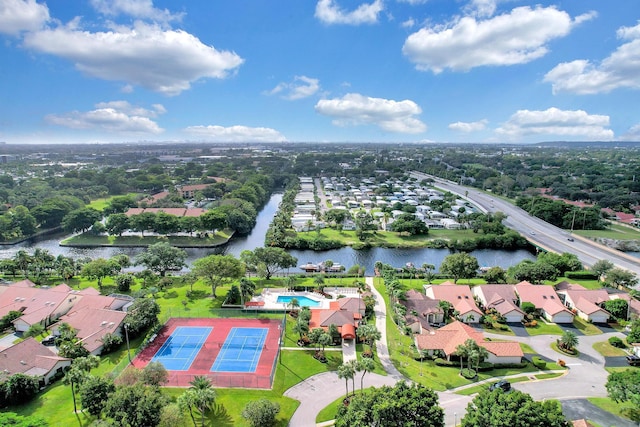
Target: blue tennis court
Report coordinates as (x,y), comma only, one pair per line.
(241,350)
(180,349)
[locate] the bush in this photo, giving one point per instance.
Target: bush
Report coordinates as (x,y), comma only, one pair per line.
(520,365)
(469,373)
(562,363)
(581,275)
(616,342)
(538,362)
(444,362)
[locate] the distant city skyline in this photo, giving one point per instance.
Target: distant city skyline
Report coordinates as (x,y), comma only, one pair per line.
(509,71)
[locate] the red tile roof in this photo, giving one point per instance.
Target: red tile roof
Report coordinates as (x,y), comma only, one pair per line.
(542,296)
(450,336)
(28,357)
(459,296)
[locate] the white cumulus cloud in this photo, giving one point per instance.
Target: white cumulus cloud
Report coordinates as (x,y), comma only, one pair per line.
(389,115)
(22,15)
(329,12)
(235,133)
(141,9)
(481,8)
(301,87)
(633,134)
(115,117)
(558,123)
(468,127)
(517,37)
(621,69)
(165,61)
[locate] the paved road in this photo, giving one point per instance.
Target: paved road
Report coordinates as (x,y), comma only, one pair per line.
(537,231)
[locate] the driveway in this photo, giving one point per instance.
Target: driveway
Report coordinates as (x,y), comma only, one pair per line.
(518,329)
(616,362)
(570,327)
(7,341)
(576,409)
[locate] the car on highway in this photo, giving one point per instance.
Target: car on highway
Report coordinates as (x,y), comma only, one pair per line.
(570,239)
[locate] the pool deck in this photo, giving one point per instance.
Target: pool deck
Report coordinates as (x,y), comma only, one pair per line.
(270,296)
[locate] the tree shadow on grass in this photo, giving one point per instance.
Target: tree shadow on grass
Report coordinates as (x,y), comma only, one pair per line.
(219,416)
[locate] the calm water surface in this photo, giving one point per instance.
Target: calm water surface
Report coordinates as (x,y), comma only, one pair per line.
(345,256)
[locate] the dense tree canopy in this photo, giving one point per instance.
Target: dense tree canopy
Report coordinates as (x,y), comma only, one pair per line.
(459,266)
(162,257)
(514,409)
(269,260)
(401,405)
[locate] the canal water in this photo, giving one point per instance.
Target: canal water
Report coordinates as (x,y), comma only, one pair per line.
(345,256)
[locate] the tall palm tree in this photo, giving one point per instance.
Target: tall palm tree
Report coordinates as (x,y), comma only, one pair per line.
(347,372)
(203,394)
(290,282)
(318,280)
(364,365)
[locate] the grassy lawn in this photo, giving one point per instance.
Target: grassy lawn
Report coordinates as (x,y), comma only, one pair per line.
(607,350)
(586,327)
(624,410)
(100,204)
(555,347)
(614,231)
(544,328)
(87,239)
(485,386)
(389,238)
(436,377)
(496,329)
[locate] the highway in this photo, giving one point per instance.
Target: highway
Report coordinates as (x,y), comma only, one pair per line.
(537,231)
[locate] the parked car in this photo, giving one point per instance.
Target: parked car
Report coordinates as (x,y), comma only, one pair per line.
(502,384)
(633,360)
(50,340)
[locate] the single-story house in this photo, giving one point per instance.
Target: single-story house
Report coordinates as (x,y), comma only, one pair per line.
(37,305)
(587,302)
(345,313)
(449,337)
(546,300)
(31,358)
(422,312)
(92,318)
(459,296)
(502,298)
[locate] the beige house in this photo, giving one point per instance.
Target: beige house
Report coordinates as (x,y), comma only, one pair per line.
(587,302)
(502,298)
(546,301)
(459,296)
(31,358)
(449,337)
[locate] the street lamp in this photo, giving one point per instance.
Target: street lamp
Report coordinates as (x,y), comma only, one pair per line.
(126,334)
(455,419)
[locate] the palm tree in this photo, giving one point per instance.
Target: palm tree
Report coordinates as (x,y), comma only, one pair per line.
(203,394)
(318,280)
(369,334)
(301,328)
(346,371)
(462,351)
(290,282)
(354,367)
(364,365)
(247,288)
(428,272)
(568,341)
(481,354)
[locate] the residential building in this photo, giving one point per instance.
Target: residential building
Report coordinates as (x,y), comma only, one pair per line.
(502,298)
(31,358)
(422,312)
(460,298)
(546,300)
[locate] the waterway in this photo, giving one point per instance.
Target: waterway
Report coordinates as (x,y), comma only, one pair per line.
(346,256)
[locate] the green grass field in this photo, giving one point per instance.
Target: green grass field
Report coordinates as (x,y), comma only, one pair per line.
(614,231)
(389,238)
(607,350)
(100,204)
(87,239)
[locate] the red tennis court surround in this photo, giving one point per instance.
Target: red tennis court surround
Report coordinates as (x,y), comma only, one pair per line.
(204,360)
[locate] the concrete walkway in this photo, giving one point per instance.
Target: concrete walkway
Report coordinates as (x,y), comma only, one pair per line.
(348,351)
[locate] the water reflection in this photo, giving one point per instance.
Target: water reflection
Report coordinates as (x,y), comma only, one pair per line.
(345,256)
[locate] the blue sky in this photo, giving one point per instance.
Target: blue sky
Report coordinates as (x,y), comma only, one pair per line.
(319,70)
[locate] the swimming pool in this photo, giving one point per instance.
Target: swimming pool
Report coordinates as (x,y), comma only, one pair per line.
(302,300)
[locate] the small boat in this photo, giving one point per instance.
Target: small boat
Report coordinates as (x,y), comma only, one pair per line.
(310,268)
